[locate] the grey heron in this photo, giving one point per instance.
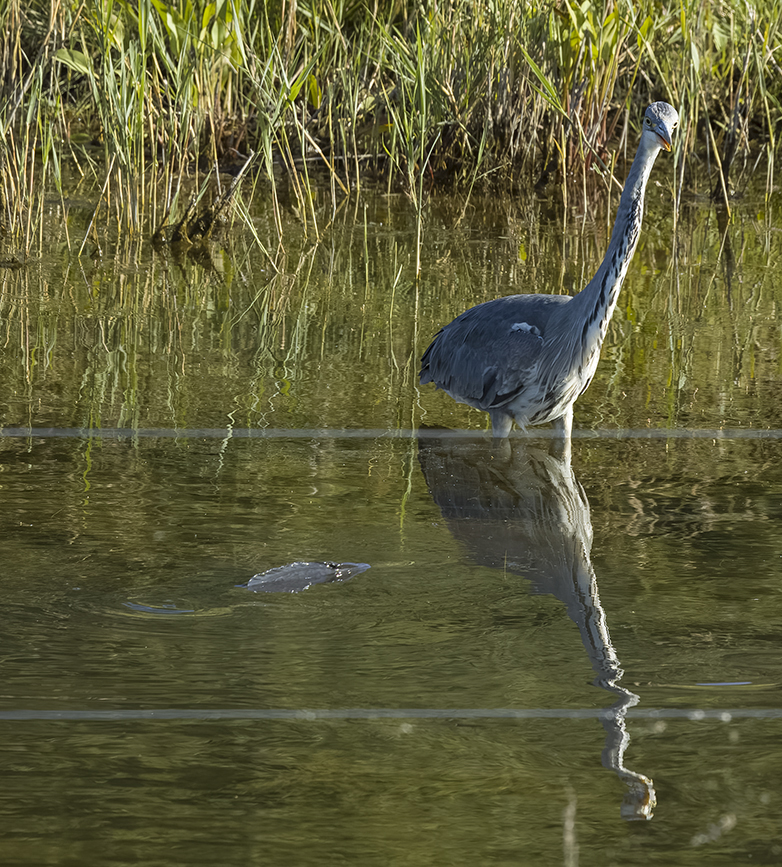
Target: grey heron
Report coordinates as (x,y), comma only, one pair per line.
(529,357)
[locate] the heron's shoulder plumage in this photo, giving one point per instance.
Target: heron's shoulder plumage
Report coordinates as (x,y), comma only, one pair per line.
(494,344)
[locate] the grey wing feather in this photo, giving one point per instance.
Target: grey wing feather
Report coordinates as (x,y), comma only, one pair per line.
(485,355)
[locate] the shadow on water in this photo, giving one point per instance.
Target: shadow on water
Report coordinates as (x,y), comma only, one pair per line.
(522,510)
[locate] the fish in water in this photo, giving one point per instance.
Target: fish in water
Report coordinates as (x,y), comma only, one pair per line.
(300,575)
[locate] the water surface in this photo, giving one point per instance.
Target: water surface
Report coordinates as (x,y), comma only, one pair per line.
(537,654)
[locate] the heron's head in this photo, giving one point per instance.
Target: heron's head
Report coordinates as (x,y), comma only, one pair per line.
(660,120)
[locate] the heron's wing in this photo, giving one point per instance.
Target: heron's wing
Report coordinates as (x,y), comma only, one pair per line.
(487,355)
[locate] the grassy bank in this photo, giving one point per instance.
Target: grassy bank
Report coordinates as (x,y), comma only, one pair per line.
(152,98)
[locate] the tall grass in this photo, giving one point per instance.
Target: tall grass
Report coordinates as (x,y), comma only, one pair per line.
(152,96)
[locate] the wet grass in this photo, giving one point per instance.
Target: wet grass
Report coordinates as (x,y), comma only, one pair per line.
(155,101)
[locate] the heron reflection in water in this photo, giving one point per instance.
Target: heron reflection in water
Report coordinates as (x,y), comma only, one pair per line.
(522,510)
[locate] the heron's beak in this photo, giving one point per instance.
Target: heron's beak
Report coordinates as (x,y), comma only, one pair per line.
(665,139)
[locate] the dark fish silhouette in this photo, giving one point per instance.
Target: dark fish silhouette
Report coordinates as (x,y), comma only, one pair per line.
(300,575)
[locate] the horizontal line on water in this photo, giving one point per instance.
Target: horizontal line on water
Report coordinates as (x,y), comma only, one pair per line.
(388,713)
(374,433)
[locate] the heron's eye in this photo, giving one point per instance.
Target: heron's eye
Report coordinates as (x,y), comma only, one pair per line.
(648,121)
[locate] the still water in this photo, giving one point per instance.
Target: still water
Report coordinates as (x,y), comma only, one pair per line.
(544,664)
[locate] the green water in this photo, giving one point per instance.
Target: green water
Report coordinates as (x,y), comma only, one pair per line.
(174,425)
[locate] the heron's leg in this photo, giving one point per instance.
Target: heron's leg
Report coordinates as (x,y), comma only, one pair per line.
(564,424)
(560,444)
(501,423)
(501,450)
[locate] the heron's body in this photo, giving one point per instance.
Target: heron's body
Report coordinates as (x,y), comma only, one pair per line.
(529,357)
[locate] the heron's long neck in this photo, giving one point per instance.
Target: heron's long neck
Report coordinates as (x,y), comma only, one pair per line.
(594,305)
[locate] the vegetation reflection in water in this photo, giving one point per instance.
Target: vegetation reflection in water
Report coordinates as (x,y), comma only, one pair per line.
(136,339)
(329,341)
